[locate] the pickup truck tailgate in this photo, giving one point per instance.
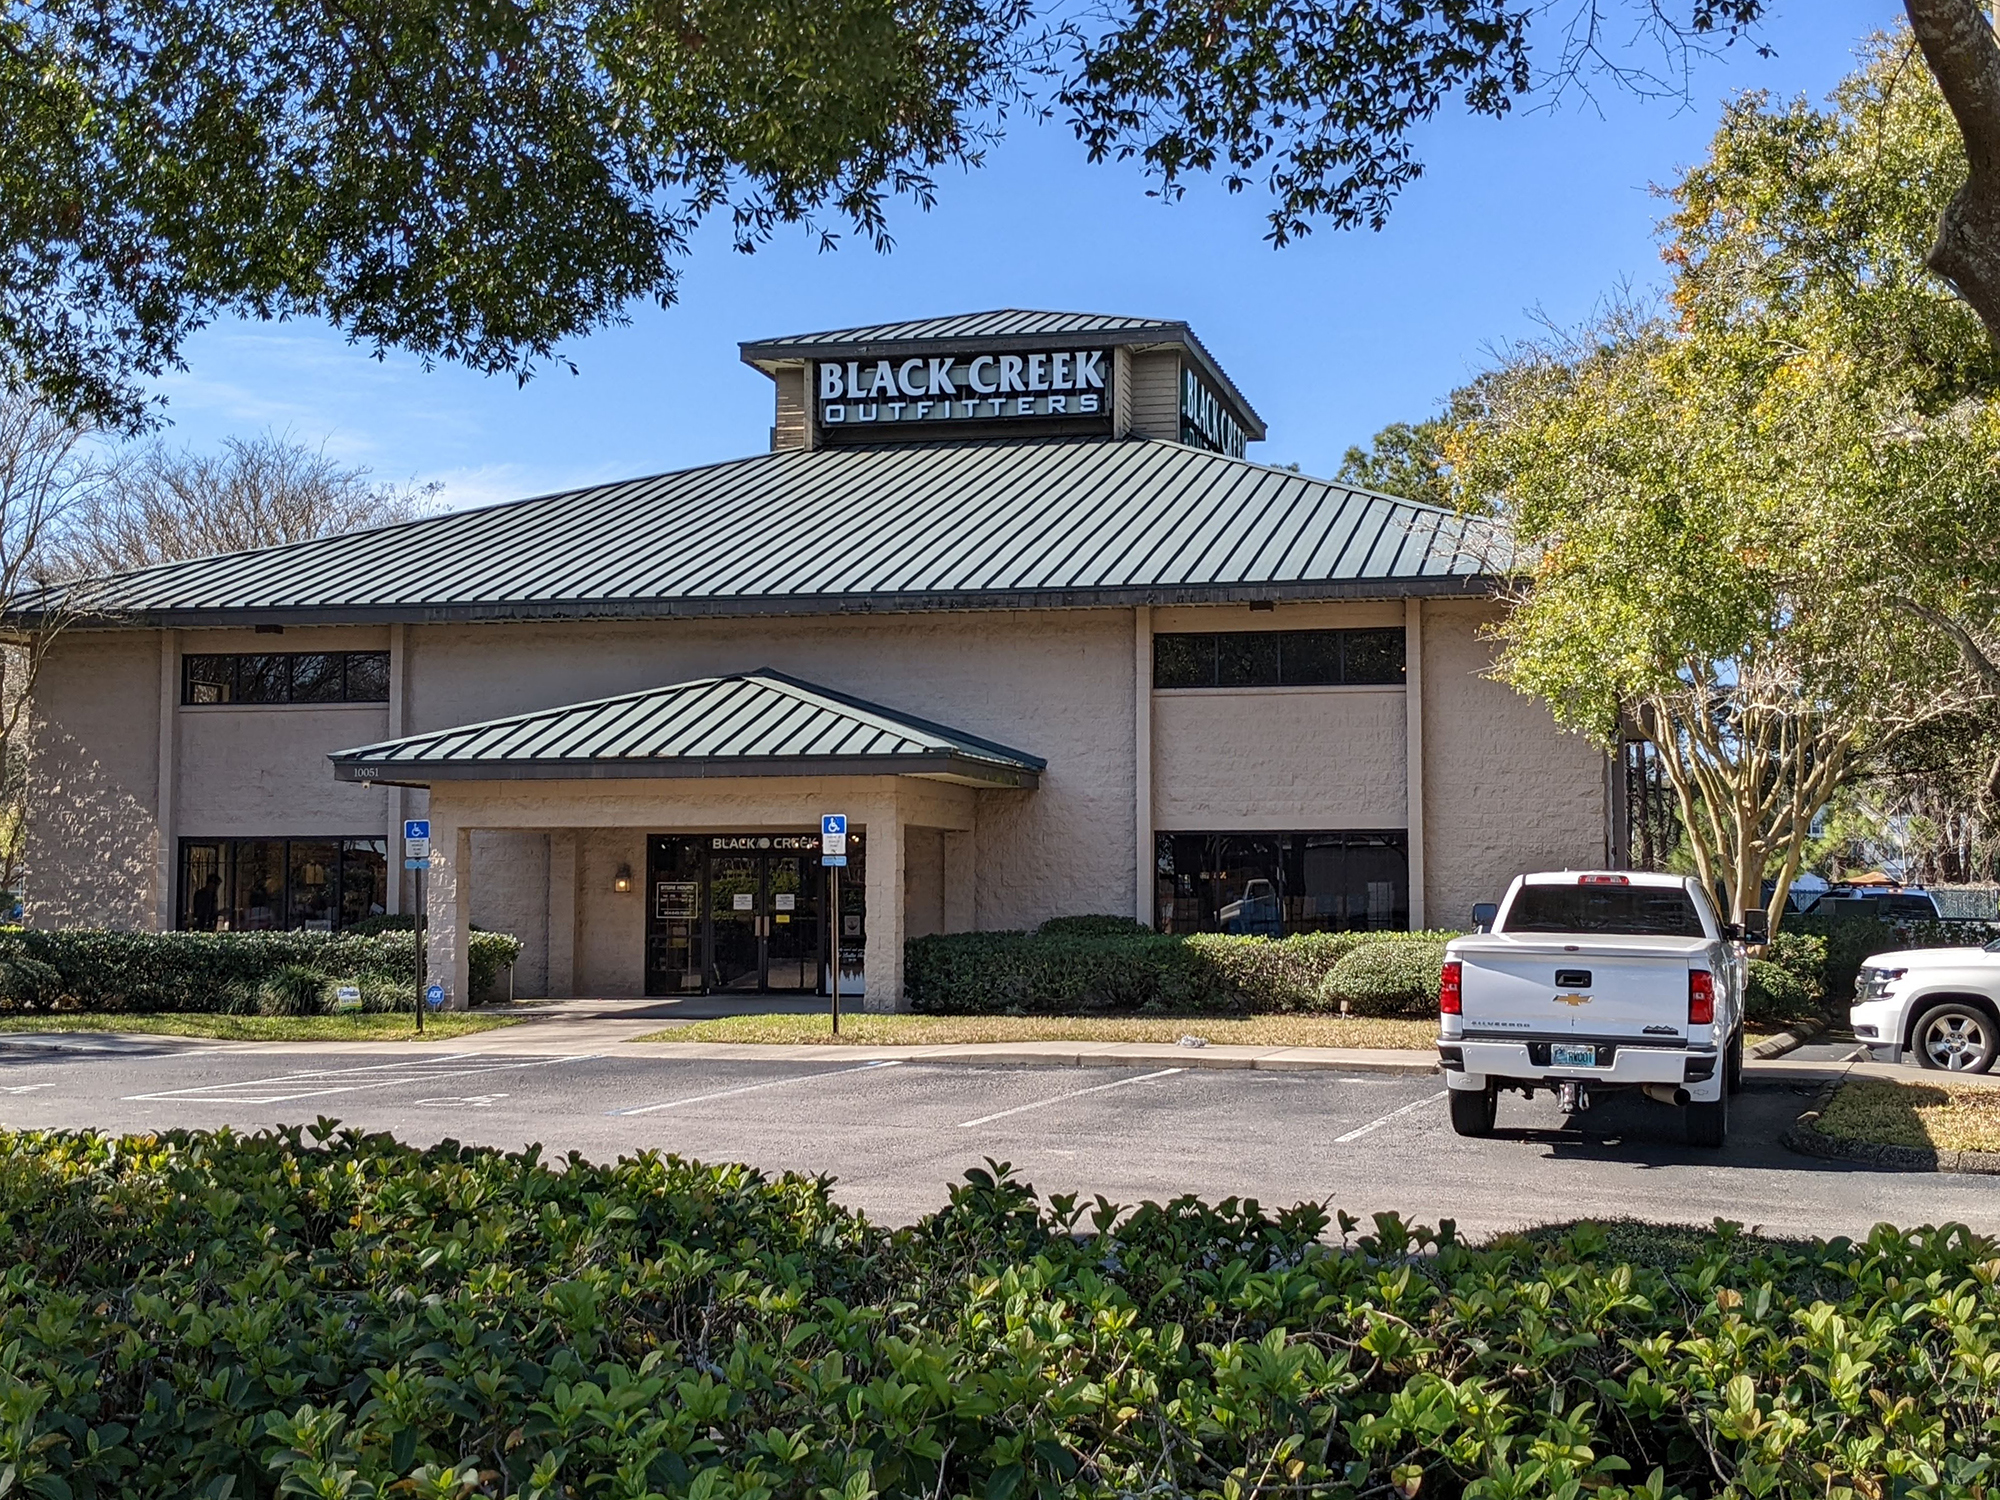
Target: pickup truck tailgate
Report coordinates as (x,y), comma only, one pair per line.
(1636,989)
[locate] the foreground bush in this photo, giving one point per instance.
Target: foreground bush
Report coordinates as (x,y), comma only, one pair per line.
(95,970)
(221,1315)
(1093,968)
(1386,979)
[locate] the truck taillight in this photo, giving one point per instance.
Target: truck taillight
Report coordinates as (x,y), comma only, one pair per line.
(1701,998)
(1450,989)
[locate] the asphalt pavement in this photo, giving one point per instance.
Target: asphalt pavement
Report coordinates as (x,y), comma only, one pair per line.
(895,1133)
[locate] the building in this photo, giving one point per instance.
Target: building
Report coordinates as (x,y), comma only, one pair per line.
(1003,591)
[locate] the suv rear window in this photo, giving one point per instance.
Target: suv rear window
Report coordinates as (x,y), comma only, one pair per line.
(1634,911)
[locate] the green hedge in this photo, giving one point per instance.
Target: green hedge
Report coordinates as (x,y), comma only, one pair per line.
(1089,973)
(1386,979)
(327,1314)
(1850,940)
(95,970)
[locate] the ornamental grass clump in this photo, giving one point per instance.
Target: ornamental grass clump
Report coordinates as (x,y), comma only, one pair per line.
(319,1312)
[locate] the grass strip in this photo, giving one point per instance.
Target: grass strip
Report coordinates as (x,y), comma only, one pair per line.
(942,1031)
(368,1026)
(1940,1116)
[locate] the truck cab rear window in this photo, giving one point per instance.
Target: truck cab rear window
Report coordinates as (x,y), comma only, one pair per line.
(1632,911)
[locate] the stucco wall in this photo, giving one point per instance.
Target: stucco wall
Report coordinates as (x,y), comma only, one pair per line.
(923,882)
(610,925)
(94,782)
(259,770)
(1055,683)
(510,893)
(1278,759)
(1506,789)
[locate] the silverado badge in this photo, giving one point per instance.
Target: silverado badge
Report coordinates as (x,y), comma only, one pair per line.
(1572,1000)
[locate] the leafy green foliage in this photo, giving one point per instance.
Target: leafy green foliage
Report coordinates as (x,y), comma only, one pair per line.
(1126,971)
(1093,926)
(481,183)
(292,990)
(90,969)
(198,1314)
(1386,979)
(1789,981)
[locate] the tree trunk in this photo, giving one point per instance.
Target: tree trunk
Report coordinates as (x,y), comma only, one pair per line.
(1959,46)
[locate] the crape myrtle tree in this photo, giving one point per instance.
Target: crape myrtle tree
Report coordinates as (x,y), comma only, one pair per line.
(1758,517)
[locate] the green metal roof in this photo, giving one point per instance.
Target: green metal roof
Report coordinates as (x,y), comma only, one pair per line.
(759,723)
(1001,323)
(992,525)
(1016,327)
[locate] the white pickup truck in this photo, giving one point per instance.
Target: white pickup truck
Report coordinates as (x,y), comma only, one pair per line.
(1586,981)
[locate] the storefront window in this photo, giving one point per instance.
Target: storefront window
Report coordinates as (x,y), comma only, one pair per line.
(1275,884)
(264,885)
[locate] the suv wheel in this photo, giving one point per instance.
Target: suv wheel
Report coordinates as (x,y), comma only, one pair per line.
(1707,1121)
(1473,1110)
(1955,1037)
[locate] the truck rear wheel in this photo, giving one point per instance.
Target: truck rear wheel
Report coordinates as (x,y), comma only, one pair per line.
(1473,1110)
(1707,1120)
(1732,1076)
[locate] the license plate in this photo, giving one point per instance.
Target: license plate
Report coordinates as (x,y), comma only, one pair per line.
(1573,1057)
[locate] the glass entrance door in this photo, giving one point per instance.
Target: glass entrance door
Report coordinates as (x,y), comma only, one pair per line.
(739,913)
(791,940)
(736,909)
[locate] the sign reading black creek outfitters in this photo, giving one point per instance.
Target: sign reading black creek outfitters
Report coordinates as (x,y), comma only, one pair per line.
(1063,391)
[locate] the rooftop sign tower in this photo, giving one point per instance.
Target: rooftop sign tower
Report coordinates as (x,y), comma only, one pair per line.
(1006,374)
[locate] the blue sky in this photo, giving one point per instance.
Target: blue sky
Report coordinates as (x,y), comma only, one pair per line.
(1330,338)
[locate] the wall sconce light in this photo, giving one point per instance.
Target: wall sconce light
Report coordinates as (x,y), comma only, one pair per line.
(622,881)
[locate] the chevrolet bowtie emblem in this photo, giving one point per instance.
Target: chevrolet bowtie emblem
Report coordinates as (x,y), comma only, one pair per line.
(1572,1000)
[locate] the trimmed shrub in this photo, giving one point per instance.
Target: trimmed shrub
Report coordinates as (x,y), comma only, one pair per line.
(1850,940)
(1777,993)
(94,970)
(1015,973)
(339,1315)
(1092,927)
(1386,979)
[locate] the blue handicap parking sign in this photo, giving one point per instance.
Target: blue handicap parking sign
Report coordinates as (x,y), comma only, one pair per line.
(416,828)
(833,825)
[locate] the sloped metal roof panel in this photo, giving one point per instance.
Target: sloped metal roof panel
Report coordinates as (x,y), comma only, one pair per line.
(952,526)
(750,723)
(1000,323)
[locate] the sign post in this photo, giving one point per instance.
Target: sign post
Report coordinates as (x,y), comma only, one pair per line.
(417,857)
(833,855)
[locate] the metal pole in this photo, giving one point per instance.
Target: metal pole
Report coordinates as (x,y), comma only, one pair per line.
(833,876)
(423,916)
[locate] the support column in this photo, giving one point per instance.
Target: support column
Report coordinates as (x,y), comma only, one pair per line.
(398,645)
(1413,745)
(1142,764)
(167,875)
(449,900)
(562,914)
(882,954)
(961,873)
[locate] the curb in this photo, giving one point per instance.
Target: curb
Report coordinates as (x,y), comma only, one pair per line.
(1803,1137)
(1786,1041)
(1000,1055)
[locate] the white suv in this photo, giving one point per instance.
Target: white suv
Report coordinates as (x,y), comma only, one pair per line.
(1942,1005)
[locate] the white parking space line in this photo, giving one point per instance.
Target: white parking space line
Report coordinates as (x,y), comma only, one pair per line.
(1096,1088)
(315,1083)
(1360,1131)
(751,1088)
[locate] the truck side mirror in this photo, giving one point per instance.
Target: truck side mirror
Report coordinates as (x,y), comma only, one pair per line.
(1756,927)
(1483,915)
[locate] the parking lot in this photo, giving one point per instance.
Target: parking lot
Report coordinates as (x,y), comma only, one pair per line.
(895,1134)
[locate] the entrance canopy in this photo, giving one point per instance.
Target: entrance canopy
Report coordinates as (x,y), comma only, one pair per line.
(760,723)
